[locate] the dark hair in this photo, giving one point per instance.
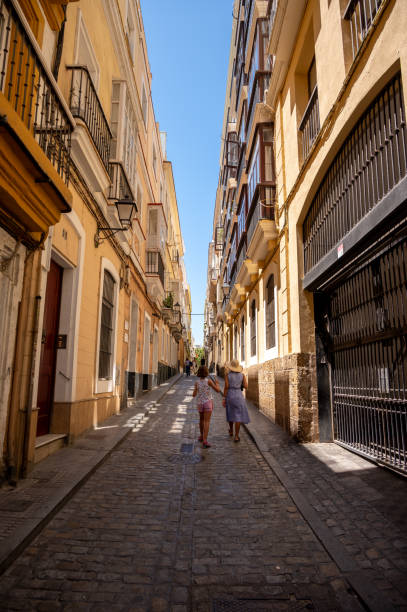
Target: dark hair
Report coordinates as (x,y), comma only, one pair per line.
(202,361)
(202,372)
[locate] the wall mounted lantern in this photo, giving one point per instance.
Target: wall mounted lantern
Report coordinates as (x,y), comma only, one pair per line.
(126,209)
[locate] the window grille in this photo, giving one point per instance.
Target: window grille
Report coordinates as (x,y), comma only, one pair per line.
(106,327)
(360,14)
(270,314)
(370,163)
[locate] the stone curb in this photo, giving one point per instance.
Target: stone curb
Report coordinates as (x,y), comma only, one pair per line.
(372,599)
(12,545)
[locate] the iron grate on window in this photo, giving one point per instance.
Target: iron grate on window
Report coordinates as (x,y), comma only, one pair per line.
(369,164)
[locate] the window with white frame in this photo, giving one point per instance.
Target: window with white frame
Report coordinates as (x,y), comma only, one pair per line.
(139,202)
(242,340)
(124,130)
(253,339)
(270,316)
(130,27)
(84,53)
(106,327)
(154,160)
(144,106)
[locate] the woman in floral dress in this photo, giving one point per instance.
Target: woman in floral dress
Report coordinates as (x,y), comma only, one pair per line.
(236,409)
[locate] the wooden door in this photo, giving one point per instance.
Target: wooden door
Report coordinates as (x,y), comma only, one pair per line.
(48,351)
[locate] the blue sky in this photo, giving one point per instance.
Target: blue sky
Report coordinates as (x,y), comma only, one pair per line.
(188,48)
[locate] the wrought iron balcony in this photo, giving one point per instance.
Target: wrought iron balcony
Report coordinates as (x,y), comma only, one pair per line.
(310,126)
(30,89)
(154,265)
(120,188)
(360,14)
(85,104)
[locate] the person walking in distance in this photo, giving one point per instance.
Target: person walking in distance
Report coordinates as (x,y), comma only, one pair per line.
(236,409)
(188,364)
(202,391)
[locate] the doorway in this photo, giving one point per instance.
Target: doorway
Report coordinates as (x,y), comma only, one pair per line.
(46,380)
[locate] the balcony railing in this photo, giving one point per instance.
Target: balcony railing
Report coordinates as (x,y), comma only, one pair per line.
(155,265)
(31,90)
(360,14)
(119,188)
(310,126)
(85,104)
(263,209)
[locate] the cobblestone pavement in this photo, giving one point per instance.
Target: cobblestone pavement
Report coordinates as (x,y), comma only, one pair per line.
(163,525)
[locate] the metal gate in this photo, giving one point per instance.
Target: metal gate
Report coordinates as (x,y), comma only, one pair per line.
(366,321)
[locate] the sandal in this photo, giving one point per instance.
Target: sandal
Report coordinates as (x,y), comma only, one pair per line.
(200,439)
(230,432)
(237,439)
(206,444)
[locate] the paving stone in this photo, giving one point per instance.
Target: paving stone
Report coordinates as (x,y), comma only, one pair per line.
(146,533)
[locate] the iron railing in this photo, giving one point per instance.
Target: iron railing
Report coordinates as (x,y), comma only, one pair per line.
(119,188)
(360,14)
(28,86)
(155,265)
(372,160)
(310,125)
(85,104)
(263,209)
(368,328)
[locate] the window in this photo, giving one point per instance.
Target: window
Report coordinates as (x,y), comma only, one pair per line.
(144,105)
(253,328)
(139,201)
(154,160)
(84,55)
(130,29)
(270,314)
(106,327)
(242,344)
(311,77)
(124,130)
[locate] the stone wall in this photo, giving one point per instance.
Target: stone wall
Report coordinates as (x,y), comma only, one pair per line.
(285,390)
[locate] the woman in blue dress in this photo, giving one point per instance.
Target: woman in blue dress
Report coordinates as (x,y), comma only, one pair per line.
(236,409)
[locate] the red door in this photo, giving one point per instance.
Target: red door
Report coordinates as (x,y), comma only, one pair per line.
(48,351)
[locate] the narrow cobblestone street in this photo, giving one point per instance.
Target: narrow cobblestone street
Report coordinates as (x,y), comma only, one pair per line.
(163,525)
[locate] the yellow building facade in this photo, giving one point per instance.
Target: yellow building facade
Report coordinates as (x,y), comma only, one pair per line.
(84,224)
(309,226)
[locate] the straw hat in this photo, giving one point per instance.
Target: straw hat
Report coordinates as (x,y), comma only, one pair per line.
(234,366)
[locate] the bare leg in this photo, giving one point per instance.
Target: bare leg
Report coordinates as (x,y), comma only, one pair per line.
(230,428)
(201,426)
(207,419)
(237,429)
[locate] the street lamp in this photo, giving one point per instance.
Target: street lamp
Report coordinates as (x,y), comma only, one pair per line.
(126,209)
